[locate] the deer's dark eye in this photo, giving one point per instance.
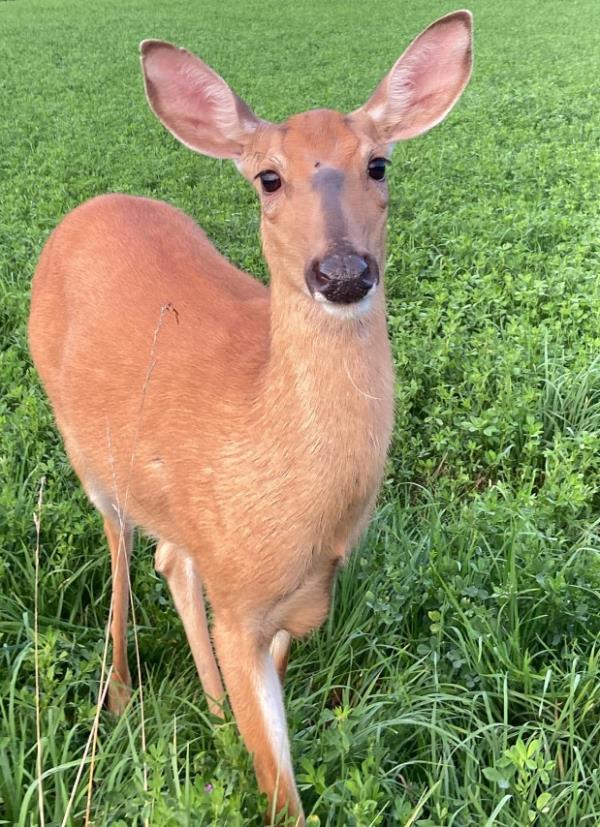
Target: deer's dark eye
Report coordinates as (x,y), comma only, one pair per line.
(377,168)
(270,180)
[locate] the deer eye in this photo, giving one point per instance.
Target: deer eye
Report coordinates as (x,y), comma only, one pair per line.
(270,180)
(377,168)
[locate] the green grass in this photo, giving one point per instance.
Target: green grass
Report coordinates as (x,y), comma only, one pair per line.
(457,681)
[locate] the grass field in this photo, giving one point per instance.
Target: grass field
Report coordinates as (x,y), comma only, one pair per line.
(457,681)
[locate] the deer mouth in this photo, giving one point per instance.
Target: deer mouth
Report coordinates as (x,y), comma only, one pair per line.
(346,310)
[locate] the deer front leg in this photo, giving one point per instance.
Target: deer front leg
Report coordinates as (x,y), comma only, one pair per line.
(280,651)
(179,570)
(256,699)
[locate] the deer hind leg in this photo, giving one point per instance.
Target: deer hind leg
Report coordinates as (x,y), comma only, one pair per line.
(256,698)
(179,570)
(120,539)
(119,534)
(280,652)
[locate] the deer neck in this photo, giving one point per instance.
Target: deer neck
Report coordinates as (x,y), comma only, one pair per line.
(319,363)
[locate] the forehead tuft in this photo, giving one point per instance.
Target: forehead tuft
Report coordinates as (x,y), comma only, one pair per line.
(322,133)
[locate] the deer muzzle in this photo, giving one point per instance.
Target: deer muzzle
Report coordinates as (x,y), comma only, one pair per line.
(343,278)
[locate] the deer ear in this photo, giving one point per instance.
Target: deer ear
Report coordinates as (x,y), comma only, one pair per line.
(426,81)
(194,102)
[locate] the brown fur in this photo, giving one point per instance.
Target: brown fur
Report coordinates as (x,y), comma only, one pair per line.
(245,428)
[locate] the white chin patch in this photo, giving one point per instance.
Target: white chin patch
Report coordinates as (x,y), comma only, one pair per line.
(347,311)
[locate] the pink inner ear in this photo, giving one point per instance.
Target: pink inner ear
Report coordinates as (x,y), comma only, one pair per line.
(426,81)
(195,103)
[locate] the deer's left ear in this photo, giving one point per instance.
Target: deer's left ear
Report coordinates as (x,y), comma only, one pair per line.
(425,82)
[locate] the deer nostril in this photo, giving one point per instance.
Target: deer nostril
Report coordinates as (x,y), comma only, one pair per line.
(368,276)
(364,273)
(320,277)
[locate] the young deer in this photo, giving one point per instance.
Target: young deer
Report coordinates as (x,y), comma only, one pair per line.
(245,428)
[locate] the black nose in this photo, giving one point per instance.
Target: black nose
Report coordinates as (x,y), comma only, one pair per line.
(342,278)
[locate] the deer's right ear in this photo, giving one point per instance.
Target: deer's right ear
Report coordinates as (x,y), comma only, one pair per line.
(194,102)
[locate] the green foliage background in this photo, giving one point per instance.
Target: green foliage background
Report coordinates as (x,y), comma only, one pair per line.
(457,681)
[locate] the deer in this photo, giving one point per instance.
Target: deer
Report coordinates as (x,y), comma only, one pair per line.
(245,428)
